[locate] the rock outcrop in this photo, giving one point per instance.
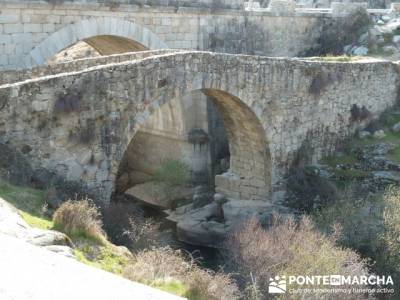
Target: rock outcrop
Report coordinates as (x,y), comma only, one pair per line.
(31,272)
(209,225)
(12,224)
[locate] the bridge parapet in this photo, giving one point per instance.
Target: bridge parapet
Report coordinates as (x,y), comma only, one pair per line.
(77,65)
(115,4)
(79,124)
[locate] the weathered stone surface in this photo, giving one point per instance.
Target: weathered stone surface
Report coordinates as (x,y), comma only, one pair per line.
(34,33)
(63,250)
(204,233)
(31,272)
(239,210)
(210,224)
(12,224)
(47,238)
(266,126)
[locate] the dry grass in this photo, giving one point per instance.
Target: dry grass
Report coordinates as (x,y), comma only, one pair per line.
(207,285)
(161,266)
(388,260)
(79,218)
(287,248)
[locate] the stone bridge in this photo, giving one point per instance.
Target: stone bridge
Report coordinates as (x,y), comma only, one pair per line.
(78,120)
(32,32)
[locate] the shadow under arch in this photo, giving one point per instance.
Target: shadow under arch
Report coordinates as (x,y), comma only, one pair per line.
(107,35)
(249,176)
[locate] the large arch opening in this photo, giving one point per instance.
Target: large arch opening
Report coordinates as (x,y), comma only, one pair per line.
(211,131)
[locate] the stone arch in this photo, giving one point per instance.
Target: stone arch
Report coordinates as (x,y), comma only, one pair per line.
(249,176)
(122,34)
(99,110)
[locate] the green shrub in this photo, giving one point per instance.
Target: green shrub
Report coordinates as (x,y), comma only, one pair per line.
(360,219)
(173,173)
(369,224)
(79,218)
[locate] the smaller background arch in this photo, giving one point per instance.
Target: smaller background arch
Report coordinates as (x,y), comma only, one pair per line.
(106,35)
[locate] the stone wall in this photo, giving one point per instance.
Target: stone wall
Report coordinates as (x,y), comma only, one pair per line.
(75,65)
(31,33)
(228,4)
(80,124)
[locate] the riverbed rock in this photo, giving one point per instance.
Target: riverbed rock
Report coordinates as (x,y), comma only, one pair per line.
(396,39)
(388,175)
(379,134)
(360,51)
(379,149)
(240,210)
(31,272)
(158,194)
(200,200)
(363,134)
(202,226)
(12,224)
(43,238)
(220,198)
(203,233)
(396,127)
(63,250)
(209,225)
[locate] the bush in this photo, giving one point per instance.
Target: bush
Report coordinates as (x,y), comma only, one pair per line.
(117,221)
(160,266)
(143,234)
(79,218)
(173,173)
(309,190)
(389,258)
(370,225)
(207,285)
(286,248)
(360,219)
(359,114)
